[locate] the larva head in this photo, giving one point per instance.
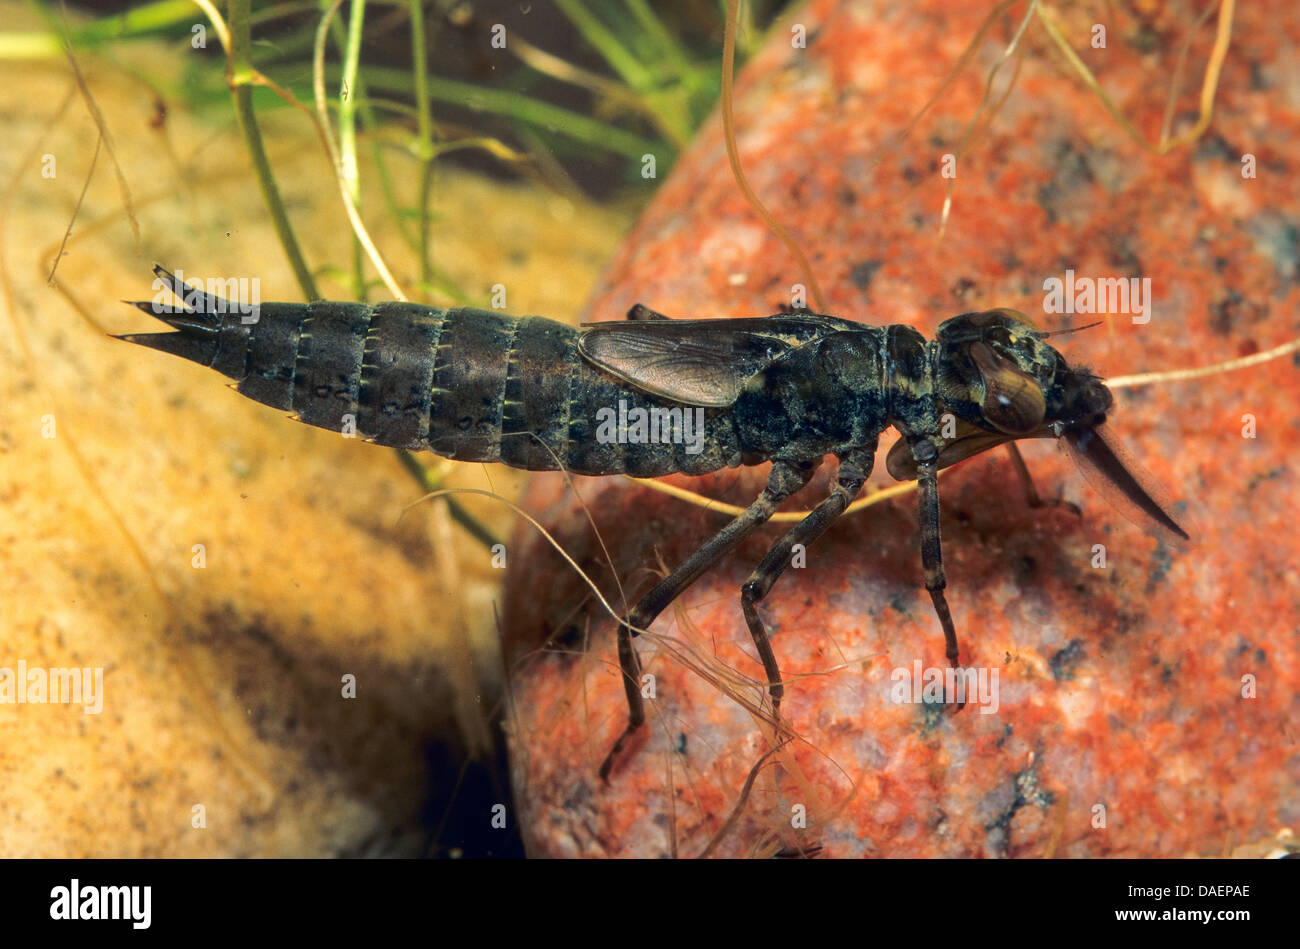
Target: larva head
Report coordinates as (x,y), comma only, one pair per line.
(996,371)
(998,375)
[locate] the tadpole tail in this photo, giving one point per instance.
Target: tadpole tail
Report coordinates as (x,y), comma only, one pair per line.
(1121,479)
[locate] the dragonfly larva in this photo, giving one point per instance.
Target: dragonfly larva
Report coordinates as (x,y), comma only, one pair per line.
(793,388)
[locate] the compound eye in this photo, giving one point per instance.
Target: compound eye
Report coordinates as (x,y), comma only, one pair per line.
(1013,400)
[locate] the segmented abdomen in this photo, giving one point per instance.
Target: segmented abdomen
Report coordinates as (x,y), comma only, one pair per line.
(468,384)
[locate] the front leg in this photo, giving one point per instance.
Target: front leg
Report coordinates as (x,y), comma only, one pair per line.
(927,479)
(932,552)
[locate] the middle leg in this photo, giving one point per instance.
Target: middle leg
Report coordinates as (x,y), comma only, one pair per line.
(855,467)
(784,480)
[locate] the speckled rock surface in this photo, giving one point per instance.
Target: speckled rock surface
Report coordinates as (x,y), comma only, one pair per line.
(1146,708)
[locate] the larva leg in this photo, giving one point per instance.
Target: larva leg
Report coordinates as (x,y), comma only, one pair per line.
(785,479)
(641,313)
(1032,497)
(853,473)
(932,557)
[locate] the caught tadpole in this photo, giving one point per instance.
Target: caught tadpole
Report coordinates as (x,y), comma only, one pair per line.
(1115,474)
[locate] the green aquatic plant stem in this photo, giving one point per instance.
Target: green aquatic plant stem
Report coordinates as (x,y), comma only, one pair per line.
(241,77)
(669,111)
(430,483)
(675,55)
(146,20)
(513,105)
(605,42)
(424,151)
(349,95)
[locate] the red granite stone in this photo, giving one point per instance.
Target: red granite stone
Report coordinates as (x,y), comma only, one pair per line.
(1121,688)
